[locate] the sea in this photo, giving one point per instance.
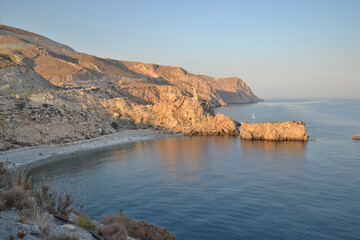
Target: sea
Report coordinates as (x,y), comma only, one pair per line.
(222,187)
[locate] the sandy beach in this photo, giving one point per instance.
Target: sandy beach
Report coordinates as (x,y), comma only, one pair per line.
(23,157)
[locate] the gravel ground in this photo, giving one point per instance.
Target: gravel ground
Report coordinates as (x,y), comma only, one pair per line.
(10,225)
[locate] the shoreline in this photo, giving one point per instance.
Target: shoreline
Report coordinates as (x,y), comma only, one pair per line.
(26,156)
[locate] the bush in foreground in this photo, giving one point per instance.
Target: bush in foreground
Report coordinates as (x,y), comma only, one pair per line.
(134,228)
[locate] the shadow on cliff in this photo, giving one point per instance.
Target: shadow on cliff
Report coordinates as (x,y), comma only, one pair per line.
(236,97)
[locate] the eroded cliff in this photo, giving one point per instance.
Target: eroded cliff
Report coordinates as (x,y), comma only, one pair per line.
(52,94)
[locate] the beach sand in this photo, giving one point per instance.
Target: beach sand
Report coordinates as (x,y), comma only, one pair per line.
(23,157)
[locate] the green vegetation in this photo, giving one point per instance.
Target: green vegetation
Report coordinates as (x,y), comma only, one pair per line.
(20,105)
(84,222)
(27,94)
(114,125)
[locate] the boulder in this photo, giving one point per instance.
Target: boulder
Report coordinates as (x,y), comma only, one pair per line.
(69,227)
(276,131)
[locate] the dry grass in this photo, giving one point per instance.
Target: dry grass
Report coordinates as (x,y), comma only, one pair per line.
(32,203)
(114,231)
(43,222)
(21,234)
(45,199)
(6,177)
(84,222)
(133,228)
(17,197)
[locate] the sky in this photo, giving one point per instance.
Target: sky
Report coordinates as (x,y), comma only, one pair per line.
(280,48)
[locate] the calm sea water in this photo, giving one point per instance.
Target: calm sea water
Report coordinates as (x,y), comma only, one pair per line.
(227,188)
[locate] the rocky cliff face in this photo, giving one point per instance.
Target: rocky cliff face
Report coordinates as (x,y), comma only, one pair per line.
(276,131)
(51,94)
(217,91)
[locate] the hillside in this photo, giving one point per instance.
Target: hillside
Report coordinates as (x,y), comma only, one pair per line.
(52,94)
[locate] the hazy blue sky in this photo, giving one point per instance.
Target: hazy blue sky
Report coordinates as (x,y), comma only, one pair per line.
(280,48)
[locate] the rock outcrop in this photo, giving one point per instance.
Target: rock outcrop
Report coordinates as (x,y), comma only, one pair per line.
(193,117)
(276,131)
(176,113)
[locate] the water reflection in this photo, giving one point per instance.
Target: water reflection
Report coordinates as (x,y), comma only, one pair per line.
(190,152)
(275,149)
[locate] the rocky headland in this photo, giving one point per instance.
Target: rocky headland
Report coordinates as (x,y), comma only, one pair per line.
(275,131)
(51,94)
(356,137)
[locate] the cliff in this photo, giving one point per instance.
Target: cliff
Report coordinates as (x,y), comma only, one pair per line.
(50,93)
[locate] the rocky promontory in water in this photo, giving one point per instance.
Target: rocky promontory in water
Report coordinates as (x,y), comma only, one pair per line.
(50,94)
(276,131)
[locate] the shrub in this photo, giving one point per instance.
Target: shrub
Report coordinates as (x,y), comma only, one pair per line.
(22,182)
(27,94)
(16,197)
(6,178)
(114,125)
(20,105)
(135,229)
(64,204)
(21,234)
(84,222)
(43,221)
(114,231)
(45,199)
